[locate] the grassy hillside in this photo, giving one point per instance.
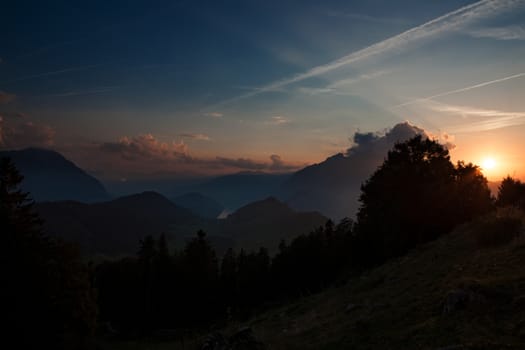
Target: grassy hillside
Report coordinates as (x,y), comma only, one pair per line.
(463,291)
(401,305)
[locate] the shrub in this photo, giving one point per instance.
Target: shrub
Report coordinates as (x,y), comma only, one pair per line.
(497,230)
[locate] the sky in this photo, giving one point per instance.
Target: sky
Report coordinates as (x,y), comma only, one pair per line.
(137,89)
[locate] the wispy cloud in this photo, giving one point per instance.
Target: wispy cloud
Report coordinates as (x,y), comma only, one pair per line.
(146,152)
(367,18)
(146,146)
(362,77)
(19,133)
(450,21)
(47,74)
(276,164)
(500,33)
(338,84)
(316,91)
(478,119)
(279,120)
(98,90)
(200,137)
(455,91)
(213,114)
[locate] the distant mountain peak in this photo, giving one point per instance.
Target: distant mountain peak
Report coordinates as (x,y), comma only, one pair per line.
(268,206)
(49,176)
(199,204)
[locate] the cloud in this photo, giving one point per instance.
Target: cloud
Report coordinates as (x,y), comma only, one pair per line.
(335,86)
(16,134)
(198,137)
(279,120)
(56,72)
(455,91)
(146,146)
(276,164)
(366,18)
(376,145)
(365,138)
(360,78)
(97,90)
(146,154)
(242,163)
(479,119)
(315,91)
(213,114)
(499,33)
(451,21)
(6,97)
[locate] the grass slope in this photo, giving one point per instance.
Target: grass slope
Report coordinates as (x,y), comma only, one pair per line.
(400,305)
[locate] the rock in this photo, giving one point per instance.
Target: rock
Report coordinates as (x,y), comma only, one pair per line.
(352,307)
(456,299)
(243,339)
(215,341)
(462,298)
(108,329)
(518,304)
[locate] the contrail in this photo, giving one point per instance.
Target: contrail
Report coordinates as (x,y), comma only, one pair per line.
(451,20)
(446,93)
(46,74)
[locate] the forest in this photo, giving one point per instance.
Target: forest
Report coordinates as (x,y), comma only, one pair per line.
(53,297)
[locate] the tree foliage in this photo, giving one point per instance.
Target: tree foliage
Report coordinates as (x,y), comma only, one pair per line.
(511,192)
(47,297)
(416,195)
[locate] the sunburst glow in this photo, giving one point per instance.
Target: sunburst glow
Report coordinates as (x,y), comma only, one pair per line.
(489,164)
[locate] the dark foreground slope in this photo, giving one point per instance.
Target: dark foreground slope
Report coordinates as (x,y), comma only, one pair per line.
(463,291)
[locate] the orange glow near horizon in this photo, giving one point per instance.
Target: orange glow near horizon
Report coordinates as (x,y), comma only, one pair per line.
(494,165)
(489,164)
(490,167)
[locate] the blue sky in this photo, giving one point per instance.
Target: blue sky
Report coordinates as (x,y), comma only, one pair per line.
(129,88)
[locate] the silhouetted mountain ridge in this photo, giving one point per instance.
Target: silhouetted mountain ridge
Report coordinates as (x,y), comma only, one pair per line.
(115,227)
(270,206)
(235,190)
(199,204)
(266,222)
(49,176)
(333,186)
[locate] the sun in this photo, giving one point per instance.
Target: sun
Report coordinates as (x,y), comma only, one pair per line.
(489,163)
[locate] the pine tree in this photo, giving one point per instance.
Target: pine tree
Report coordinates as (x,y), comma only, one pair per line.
(47,290)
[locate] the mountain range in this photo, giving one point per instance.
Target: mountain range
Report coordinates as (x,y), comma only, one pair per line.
(115,227)
(49,176)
